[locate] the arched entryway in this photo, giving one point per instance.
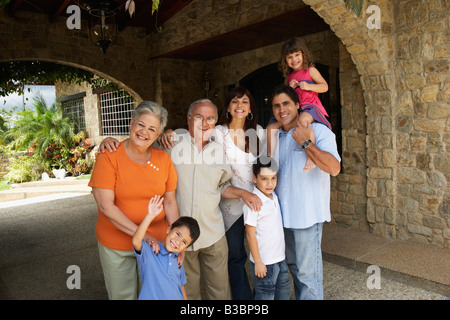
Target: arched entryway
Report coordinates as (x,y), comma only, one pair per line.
(31,36)
(365,143)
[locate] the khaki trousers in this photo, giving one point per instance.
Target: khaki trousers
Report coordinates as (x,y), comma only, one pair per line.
(208,267)
(121,272)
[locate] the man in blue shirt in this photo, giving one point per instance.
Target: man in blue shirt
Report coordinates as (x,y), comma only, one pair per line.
(162,278)
(304,195)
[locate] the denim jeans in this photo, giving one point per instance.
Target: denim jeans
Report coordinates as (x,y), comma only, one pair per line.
(275,285)
(237,257)
(304,258)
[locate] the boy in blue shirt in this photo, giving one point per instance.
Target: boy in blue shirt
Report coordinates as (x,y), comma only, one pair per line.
(162,279)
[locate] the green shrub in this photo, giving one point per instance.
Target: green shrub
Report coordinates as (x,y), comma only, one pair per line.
(24,169)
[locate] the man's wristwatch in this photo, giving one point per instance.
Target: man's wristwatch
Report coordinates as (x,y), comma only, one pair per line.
(306,144)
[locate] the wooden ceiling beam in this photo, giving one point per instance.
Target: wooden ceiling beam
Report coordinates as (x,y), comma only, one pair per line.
(62,7)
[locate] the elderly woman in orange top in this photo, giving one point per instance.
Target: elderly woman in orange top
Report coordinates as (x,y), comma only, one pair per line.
(123,183)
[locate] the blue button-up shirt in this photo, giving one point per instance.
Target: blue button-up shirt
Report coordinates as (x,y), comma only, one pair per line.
(304,195)
(161,277)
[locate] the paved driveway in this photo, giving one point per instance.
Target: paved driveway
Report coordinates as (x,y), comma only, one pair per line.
(40,241)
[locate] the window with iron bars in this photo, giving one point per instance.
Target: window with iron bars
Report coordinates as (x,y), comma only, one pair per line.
(74,110)
(116,110)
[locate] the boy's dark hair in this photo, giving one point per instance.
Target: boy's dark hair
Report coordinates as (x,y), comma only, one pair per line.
(264,162)
(287,90)
(191,224)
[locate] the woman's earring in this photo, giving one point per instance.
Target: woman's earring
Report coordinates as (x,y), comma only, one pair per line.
(250,116)
(228,115)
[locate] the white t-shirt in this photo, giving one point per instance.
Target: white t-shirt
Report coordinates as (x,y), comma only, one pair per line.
(269,228)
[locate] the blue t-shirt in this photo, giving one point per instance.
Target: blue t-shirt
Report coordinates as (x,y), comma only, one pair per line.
(161,277)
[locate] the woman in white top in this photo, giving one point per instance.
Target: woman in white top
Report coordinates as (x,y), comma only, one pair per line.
(243,141)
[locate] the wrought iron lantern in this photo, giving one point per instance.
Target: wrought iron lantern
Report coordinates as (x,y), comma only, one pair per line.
(102,22)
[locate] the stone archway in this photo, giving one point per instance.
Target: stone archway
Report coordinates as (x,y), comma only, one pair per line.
(30,36)
(372,53)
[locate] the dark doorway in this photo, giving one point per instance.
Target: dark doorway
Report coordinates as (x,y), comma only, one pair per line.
(261,84)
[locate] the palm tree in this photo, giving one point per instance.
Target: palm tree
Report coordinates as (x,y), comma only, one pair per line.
(42,126)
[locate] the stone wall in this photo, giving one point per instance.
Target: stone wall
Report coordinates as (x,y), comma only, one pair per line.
(422,123)
(348,195)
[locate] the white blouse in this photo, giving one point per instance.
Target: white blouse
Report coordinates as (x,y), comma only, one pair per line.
(241,166)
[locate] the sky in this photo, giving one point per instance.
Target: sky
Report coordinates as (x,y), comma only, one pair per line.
(48,92)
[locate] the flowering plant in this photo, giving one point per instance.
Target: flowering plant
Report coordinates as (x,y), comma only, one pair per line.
(78,163)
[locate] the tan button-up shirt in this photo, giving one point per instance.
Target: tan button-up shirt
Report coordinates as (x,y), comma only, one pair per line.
(202,177)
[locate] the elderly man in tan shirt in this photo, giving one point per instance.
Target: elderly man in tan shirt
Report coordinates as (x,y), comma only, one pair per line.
(204,176)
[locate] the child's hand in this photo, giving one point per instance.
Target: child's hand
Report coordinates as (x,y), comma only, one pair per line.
(260,269)
(293,84)
(304,85)
(155,206)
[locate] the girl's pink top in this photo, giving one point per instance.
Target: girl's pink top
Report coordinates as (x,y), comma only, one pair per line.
(305,96)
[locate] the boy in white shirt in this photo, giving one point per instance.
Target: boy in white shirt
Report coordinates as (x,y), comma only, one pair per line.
(265,236)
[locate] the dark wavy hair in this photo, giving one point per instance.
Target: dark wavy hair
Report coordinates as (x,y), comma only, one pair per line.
(291,46)
(239,92)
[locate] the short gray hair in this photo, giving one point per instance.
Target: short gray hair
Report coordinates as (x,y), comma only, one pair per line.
(154,109)
(201,101)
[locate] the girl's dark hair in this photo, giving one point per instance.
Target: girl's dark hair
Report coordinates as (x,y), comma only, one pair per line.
(291,46)
(191,224)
